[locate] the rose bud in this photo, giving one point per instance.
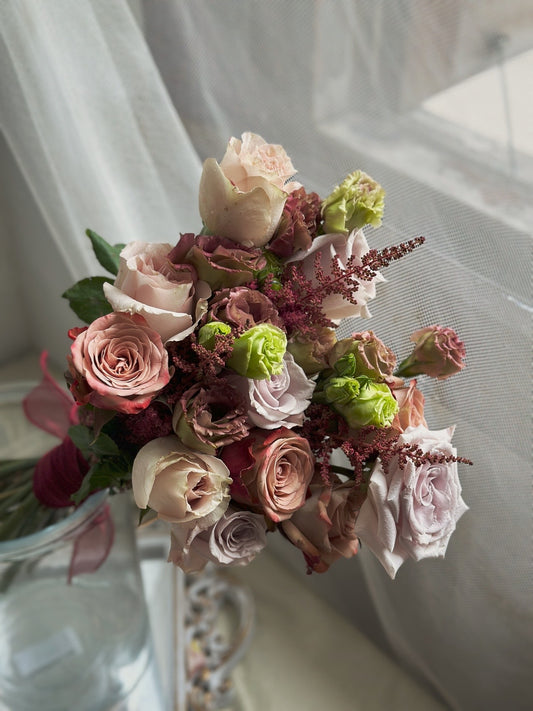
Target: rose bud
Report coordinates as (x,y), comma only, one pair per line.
(412,508)
(362,354)
(356,202)
(181,485)
(219,261)
(361,401)
(259,352)
(235,539)
(271,471)
(438,352)
(311,353)
(212,417)
(118,363)
(243,307)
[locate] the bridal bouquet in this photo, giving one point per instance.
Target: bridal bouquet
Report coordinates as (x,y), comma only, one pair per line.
(210,380)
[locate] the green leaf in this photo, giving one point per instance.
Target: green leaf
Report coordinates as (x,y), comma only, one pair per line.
(82,438)
(107,254)
(87,298)
(102,475)
(103,446)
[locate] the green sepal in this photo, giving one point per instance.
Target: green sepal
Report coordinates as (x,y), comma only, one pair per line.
(87,300)
(108,255)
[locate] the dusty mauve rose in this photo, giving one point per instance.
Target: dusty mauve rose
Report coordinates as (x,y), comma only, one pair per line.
(186,487)
(362,354)
(411,407)
(335,306)
(235,539)
(412,512)
(243,307)
(169,296)
(323,529)
(118,363)
(206,418)
(298,225)
(280,399)
(271,471)
(219,261)
(438,352)
(243,197)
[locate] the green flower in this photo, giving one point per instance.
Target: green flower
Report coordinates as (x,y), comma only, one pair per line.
(356,202)
(258,353)
(361,401)
(206,335)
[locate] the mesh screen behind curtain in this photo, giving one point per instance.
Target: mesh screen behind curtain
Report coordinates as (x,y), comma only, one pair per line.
(342,85)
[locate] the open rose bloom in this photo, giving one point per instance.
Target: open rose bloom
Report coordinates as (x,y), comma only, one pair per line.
(209,379)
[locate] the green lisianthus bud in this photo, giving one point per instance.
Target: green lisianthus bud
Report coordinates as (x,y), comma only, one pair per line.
(346,366)
(361,401)
(258,353)
(206,335)
(356,202)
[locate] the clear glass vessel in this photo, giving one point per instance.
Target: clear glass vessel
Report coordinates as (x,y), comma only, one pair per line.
(74,631)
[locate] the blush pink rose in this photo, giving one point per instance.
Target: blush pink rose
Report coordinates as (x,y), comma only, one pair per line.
(118,363)
(411,512)
(170,297)
(271,471)
(324,528)
(340,246)
(184,487)
(243,198)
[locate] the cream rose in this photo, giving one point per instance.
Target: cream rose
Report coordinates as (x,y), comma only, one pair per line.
(185,487)
(242,199)
(170,297)
(412,511)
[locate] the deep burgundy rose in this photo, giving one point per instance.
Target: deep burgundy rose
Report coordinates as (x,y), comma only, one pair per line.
(244,307)
(271,471)
(219,261)
(298,225)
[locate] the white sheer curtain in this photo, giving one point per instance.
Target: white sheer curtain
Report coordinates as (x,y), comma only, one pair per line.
(108,110)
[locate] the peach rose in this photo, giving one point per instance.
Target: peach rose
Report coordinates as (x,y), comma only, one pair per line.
(271,471)
(411,407)
(118,363)
(169,296)
(184,487)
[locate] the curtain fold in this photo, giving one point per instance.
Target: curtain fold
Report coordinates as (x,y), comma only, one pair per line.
(107,111)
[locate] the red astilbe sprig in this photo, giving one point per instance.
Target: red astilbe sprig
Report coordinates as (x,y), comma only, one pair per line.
(299,300)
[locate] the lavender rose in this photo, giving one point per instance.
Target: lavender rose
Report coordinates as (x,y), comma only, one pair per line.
(183,486)
(235,539)
(324,528)
(412,511)
(438,352)
(279,400)
(340,246)
(271,471)
(169,296)
(207,418)
(118,363)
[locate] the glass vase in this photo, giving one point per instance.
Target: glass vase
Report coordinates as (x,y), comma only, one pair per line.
(74,630)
